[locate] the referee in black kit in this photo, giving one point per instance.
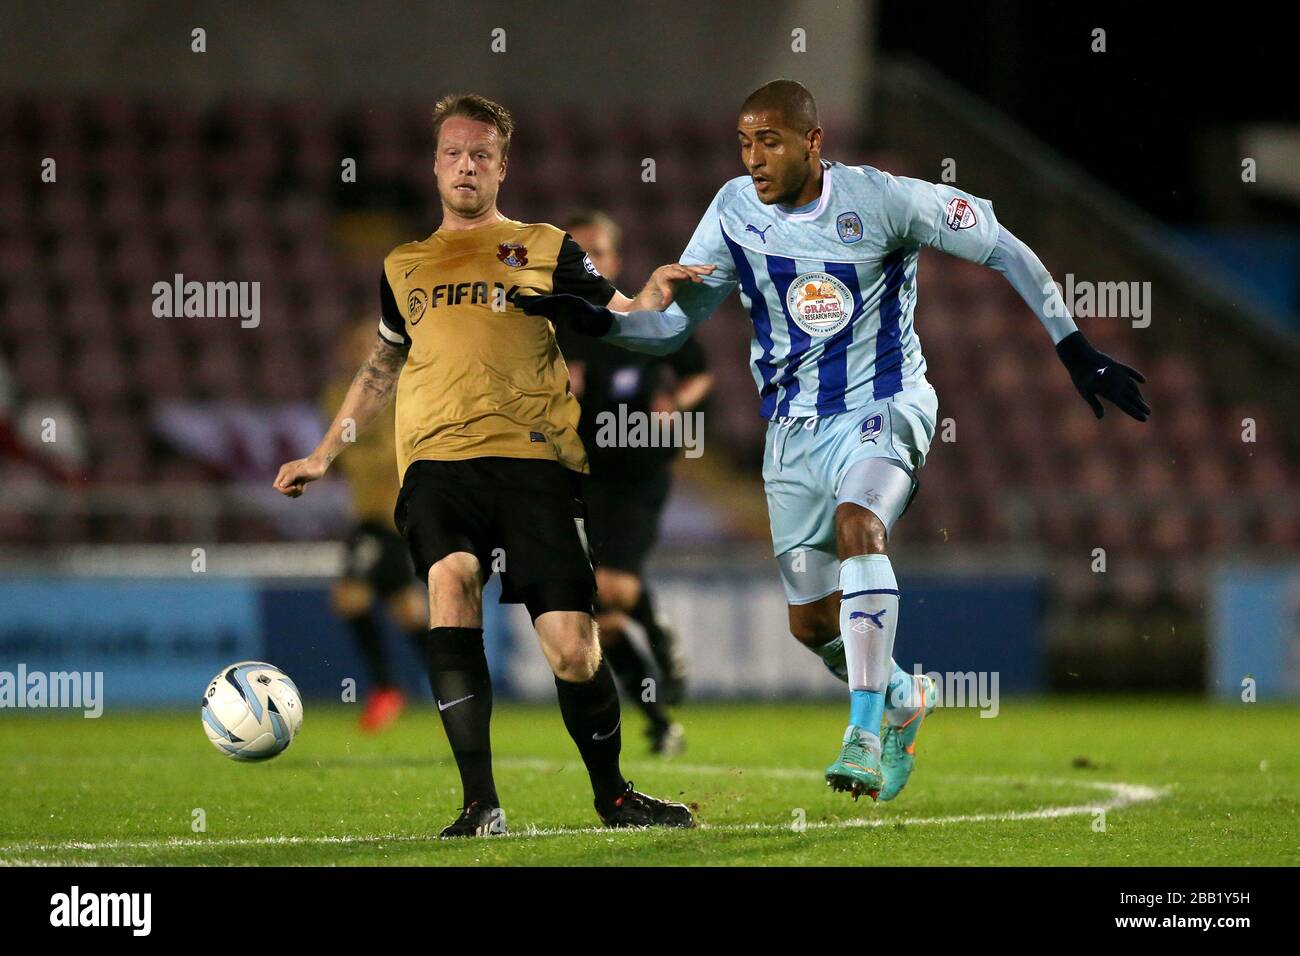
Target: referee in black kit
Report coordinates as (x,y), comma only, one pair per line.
(628,488)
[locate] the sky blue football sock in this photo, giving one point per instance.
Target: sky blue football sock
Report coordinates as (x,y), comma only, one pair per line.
(868,616)
(902,696)
(866,709)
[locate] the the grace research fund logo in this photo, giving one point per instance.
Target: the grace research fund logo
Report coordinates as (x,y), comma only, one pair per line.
(819,303)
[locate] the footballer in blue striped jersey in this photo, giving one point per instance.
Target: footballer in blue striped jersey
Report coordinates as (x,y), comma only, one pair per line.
(823,256)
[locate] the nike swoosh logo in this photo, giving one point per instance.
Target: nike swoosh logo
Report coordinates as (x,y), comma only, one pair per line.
(407,273)
(1102,370)
(608,735)
(453,703)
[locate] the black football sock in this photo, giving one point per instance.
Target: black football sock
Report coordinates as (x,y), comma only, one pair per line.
(633,670)
(365,631)
(591,715)
(462,688)
(644,614)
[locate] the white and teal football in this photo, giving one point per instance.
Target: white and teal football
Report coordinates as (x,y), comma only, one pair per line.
(251,711)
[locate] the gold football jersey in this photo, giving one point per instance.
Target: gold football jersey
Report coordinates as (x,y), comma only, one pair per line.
(482,378)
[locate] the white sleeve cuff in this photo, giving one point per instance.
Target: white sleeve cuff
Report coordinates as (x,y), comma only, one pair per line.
(389,335)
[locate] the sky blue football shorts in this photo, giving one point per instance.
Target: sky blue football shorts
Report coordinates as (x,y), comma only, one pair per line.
(869,455)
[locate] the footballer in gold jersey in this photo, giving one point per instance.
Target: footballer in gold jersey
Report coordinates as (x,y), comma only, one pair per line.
(488,451)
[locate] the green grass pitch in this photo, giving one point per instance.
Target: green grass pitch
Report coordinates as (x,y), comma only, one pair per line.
(1178,781)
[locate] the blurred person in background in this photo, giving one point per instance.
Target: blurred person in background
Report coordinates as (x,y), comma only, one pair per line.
(45,438)
(628,488)
(377,564)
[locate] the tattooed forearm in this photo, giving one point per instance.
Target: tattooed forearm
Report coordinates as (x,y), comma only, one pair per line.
(372,389)
(379,374)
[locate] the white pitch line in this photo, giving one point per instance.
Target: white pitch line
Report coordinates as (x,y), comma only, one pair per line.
(1120,795)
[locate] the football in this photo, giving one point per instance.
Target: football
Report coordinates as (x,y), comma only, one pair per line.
(251,711)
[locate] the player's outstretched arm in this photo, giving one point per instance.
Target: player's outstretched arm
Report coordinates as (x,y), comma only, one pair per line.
(945,218)
(661,288)
(1095,374)
(371,391)
(644,324)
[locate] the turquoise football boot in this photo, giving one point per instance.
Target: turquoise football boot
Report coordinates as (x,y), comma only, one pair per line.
(857,771)
(898,744)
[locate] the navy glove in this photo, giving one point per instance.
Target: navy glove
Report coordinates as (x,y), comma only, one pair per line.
(1095,373)
(571,311)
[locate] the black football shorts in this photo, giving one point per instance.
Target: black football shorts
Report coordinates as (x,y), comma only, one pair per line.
(523,518)
(623,518)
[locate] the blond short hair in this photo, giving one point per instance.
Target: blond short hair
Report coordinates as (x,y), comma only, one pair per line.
(475,107)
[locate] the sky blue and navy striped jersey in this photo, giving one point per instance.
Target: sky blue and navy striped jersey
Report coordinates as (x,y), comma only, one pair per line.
(831,289)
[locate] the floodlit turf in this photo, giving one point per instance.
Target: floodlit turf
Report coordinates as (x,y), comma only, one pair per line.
(1186,783)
